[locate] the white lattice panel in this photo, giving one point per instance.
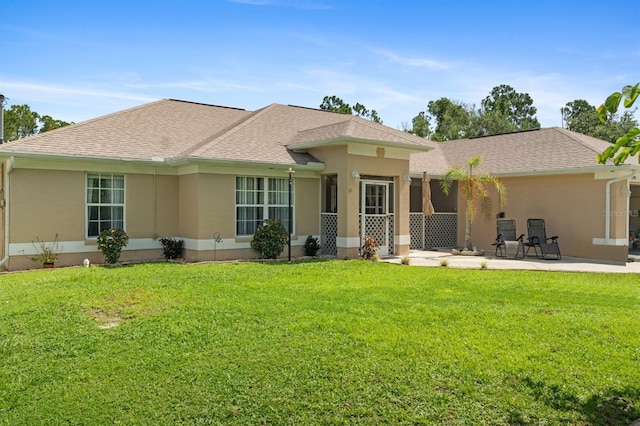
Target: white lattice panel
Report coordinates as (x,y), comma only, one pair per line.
(416,229)
(328,234)
(375,226)
(440,230)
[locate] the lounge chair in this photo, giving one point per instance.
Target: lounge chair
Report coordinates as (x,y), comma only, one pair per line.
(507,245)
(538,240)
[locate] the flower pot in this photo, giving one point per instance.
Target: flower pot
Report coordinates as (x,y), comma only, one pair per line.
(47,265)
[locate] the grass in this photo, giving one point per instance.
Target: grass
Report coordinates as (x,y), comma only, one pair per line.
(323,342)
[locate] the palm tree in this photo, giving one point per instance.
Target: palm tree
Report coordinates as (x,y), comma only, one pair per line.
(475,189)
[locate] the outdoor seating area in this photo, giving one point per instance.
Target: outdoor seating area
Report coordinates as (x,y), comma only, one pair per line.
(509,246)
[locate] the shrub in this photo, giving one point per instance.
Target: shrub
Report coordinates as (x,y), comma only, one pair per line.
(110,243)
(369,248)
(444,263)
(270,238)
(406,260)
(172,247)
(311,246)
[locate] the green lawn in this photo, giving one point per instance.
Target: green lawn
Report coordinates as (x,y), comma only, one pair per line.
(326,342)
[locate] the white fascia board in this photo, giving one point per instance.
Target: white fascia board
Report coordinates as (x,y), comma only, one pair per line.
(93,164)
(601,172)
(248,168)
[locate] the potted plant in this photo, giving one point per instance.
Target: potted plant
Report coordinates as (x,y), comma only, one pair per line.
(47,252)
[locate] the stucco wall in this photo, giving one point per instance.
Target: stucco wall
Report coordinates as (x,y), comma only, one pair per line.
(571,205)
(366,161)
(307,207)
(151,206)
(44,203)
(216,205)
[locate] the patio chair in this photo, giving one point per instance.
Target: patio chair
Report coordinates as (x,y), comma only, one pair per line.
(538,240)
(506,243)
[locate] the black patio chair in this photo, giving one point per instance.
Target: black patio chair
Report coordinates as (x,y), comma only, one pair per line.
(507,241)
(537,239)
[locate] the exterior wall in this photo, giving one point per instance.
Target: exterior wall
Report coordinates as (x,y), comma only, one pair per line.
(188,212)
(38,212)
(193,206)
(307,207)
(44,203)
(216,195)
(151,206)
(369,161)
(573,207)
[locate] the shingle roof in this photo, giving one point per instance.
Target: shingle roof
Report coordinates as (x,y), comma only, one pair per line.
(542,150)
(158,129)
(177,130)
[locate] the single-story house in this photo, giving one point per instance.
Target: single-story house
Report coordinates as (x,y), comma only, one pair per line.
(210,175)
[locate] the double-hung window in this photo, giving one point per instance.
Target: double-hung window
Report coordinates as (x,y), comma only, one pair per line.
(258,199)
(105,202)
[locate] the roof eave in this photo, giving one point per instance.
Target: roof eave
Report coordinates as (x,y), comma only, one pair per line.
(340,141)
(564,171)
(312,166)
(40,155)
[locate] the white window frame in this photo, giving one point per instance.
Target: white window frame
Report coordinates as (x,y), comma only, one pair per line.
(99,204)
(273,193)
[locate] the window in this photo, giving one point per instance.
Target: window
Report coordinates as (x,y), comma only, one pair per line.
(258,199)
(105,203)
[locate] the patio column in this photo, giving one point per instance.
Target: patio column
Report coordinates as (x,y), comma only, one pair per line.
(348,240)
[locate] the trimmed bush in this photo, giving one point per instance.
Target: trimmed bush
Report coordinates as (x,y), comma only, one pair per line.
(172,247)
(110,243)
(311,246)
(270,238)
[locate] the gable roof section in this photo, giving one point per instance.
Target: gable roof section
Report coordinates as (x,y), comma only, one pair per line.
(357,129)
(279,134)
(550,150)
(158,129)
(178,131)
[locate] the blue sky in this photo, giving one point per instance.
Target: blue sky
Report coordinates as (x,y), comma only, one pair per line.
(76,60)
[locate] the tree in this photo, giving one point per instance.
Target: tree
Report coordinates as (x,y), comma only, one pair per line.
(20,122)
(516,107)
(582,117)
(452,119)
(49,123)
(628,144)
(420,125)
(475,189)
(503,111)
(335,104)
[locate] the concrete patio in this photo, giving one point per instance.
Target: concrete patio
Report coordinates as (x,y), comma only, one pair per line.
(566,264)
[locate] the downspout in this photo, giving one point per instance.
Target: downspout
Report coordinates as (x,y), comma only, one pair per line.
(607,208)
(9,167)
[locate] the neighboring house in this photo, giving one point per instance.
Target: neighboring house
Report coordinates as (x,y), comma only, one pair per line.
(210,175)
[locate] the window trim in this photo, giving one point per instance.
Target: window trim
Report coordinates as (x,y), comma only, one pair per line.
(265,203)
(87,204)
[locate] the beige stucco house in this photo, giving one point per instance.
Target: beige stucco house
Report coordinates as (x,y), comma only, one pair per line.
(210,175)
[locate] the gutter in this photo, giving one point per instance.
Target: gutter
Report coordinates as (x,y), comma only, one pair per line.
(10,162)
(607,223)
